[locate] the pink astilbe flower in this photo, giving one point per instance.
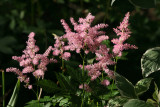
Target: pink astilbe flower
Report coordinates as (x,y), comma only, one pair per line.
(94,71)
(85,37)
(59,48)
(104,59)
(105,82)
(86,87)
(39,73)
(30,60)
(124,34)
(30,87)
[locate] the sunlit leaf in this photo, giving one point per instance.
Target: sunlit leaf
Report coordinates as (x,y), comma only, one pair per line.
(142,85)
(117,101)
(125,87)
(150,61)
(12,101)
(112,2)
(137,103)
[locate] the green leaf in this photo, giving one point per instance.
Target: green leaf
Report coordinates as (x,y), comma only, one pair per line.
(48,104)
(12,101)
(151,102)
(112,2)
(63,102)
(57,99)
(142,85)
(75,75)
(125,87)
(117,101)
(48,86)
(22,13)
(35,105)
(137,103)
(12,24)
(150,61)
(144,3)
(46,99)
(90,61)
(155,94)
(64,82)
(110,95)
(123,57)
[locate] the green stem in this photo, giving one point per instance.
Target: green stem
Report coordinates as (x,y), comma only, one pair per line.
(63,66)
(83,77)
(115,68)
(3,87)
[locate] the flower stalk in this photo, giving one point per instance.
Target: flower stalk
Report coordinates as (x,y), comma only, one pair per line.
(3,87)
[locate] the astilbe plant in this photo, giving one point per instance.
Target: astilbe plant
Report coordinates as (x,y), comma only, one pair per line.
(84,40)
(32,63)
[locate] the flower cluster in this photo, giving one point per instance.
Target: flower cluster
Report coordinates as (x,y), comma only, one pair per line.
(30,61)
(86,87)
(59,48)
(124,34)
(89,39)
(103,60)
(85,37)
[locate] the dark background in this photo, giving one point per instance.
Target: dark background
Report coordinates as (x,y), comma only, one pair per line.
(20,17)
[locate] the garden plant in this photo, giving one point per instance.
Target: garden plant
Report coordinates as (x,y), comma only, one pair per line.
(93,80)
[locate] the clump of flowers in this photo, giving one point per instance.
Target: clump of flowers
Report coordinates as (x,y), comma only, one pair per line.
(89,39)
(31,62)
(84,38)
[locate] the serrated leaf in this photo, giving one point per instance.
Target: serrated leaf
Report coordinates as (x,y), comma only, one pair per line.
(117,101)
(142,85)
(110,94)
(75,75)
(137,103)
(48,86)
(46,99)
(64,82)
(125,87)
(150,61)
(144,3)
(12,101)
(63,102)
(57,99)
